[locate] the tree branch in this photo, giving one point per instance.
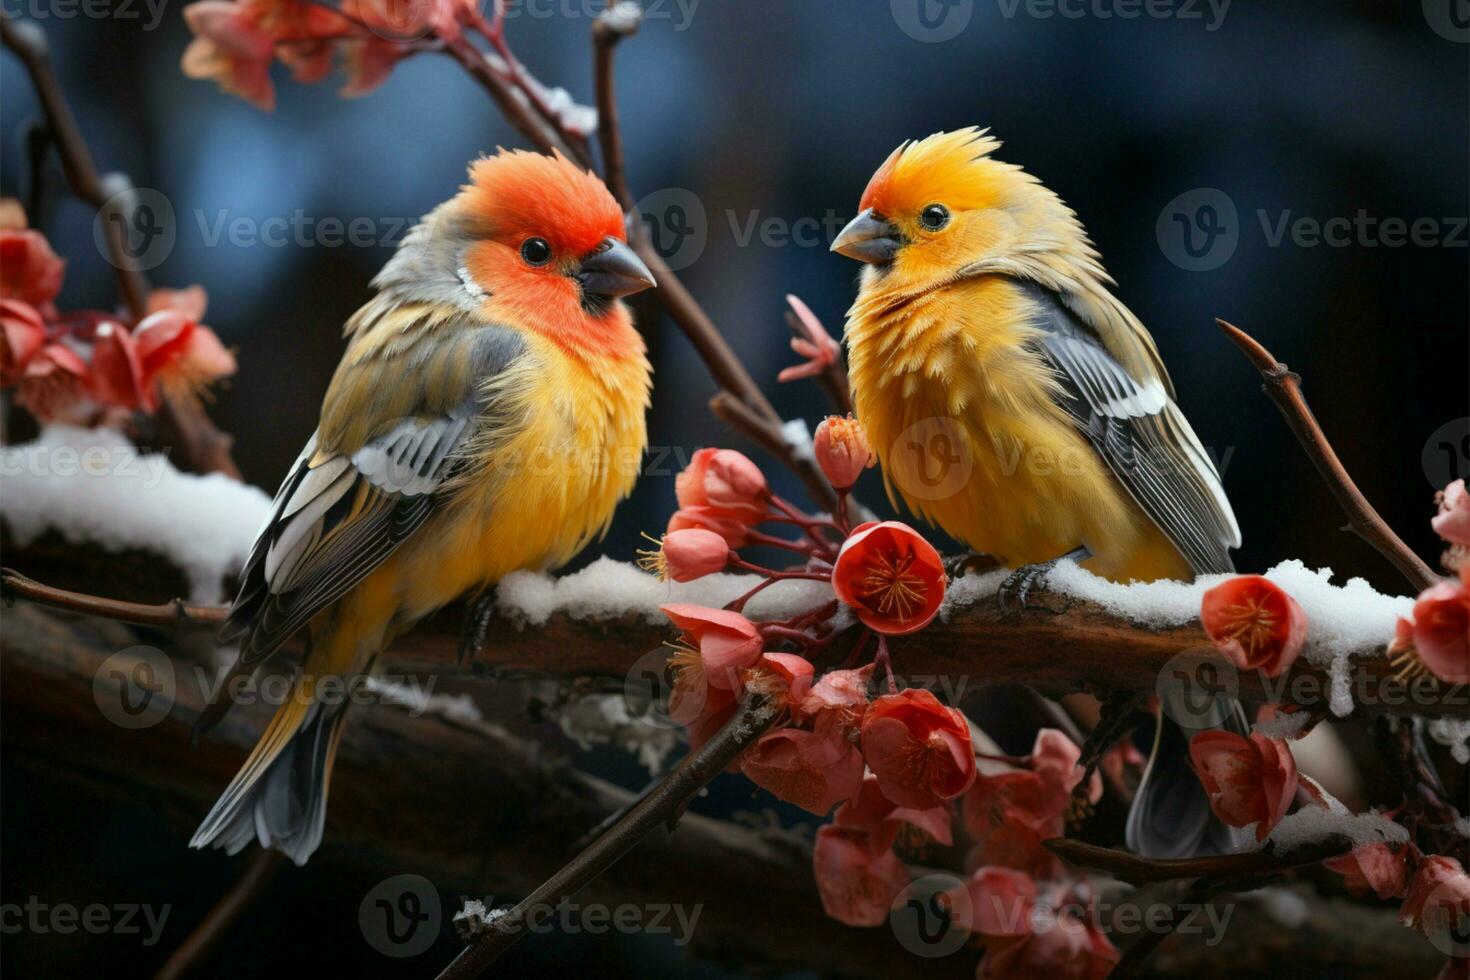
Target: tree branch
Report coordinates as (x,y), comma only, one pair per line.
(977,645)
(1227,868)
(1283,386)
(619,20)
(202,448)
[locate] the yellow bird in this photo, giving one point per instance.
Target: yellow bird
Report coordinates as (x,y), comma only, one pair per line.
(487,416)
(1014,401)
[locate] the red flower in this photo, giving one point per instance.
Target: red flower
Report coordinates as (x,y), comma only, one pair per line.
(691,553)
(1248,780)
(54,385)
(727,642)
(838,700)
(1453,520)
(1440,629)
(191,301)
(726,482)
(1381,867)
(1008,816)
(857,885)
(29,270)
(22,333)
(733,530)
(919,749)
(785,676)
(815,772)
(1255,623)
(818,347)
(232,47)
(1054,758)
(1027,936)
(871,813)
(841,448)
(1438,904)
(891,577)
(117,371)
(179,354)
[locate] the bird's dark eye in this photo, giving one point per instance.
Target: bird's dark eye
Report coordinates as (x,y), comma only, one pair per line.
(536,251)
(934,217)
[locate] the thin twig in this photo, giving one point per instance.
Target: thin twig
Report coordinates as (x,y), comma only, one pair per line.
(661,807)
(202,447)
(173,613)
(769,437)
(195,951)
(619,20)
(1283,386)
(1138,870)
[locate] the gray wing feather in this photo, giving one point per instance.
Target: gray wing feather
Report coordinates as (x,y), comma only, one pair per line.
(334,522)
(1144,438)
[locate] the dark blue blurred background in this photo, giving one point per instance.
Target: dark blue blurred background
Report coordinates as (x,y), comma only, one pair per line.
(770,112)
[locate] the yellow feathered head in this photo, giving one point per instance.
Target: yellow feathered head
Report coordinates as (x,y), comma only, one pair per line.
(943,207)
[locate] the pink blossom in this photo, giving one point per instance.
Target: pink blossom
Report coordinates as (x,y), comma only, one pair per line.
(842,452)
(727,642)
(231,47)
(817,347)
(1248,780)
(871,813)
(693,553)
(22,333)
(1381,867)
(1440,629)
(919,749)
(1438,903)
(54,385)
(1453,520)
(1255,623)
(725,481)
(839,699)
(856,884)
(814,772)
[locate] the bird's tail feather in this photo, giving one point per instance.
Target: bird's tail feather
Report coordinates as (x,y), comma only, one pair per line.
(279,796)
(1171,815)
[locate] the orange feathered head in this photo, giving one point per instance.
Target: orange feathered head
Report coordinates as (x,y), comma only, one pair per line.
(518,194)
(941,206)
(549,250)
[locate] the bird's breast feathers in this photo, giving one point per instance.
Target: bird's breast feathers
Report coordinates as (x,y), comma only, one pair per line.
(963,413)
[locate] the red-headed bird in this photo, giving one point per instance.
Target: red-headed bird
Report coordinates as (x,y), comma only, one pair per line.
(487,416)
(1013,400)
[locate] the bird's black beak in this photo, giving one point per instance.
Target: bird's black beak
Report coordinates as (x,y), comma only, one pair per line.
(869,238)
(613,269)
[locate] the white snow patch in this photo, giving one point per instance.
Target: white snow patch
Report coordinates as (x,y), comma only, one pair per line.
(474,920)
(93,486)
(1285,724)
(608,589)
(1311,824)
(1454,734)
(1284,905)
(1343,621)
(799,437)
(970,588)
(420,700)
(603,719)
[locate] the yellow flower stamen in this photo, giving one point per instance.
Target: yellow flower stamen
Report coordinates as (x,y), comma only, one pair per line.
(653,561)
(892,585)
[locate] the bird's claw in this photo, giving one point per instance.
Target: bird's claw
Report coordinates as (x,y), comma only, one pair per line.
(476,624)
(958,566)
(1017,585)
